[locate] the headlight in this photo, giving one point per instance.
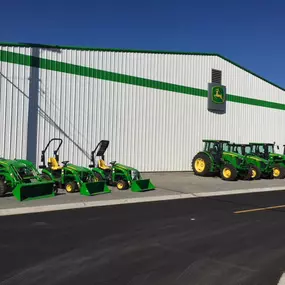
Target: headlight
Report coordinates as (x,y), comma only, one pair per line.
(134,174)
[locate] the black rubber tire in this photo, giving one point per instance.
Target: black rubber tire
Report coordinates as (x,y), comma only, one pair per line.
(282,171)
(55,189)
(124,184)
(234,173)
(3,188)
(267,176)
(257,171)
(73,186)
(208,163)
(247,176)
(98,177)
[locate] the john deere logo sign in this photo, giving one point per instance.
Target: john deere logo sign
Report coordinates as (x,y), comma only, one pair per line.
(216,98)
(218,95)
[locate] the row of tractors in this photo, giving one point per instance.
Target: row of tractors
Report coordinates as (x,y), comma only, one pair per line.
(232,161)
(21,178)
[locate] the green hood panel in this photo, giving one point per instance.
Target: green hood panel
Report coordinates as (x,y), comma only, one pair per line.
(124,167)
(233,154)
(77,168)
(257,158)
(277,155)
(15,163)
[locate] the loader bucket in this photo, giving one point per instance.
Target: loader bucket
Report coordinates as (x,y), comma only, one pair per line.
(94,188)
(142,185)
(32,191)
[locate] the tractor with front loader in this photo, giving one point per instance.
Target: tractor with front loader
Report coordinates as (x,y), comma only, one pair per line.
(261,168)
(116,174)
(72,177)
(216,159)
(266,151)
(21,178)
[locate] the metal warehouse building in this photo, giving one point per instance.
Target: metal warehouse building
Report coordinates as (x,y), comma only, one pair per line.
(154,107)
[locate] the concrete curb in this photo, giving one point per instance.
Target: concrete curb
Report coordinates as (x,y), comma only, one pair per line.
(78,205)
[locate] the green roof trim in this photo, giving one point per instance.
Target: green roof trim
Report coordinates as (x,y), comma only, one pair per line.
(30,45)
(27,60)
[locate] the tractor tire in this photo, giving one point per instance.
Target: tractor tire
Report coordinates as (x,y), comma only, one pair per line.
(229,173)
(248,175)
(267,176)
(256,172)
(278,172)
(201,164)
(71,187)
(98,177)
(122,185)
(55,189)
(3,188)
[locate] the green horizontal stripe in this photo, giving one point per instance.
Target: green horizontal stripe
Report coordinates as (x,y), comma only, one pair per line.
(59,47)
(69,68)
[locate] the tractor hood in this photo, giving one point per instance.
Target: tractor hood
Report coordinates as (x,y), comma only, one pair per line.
(124,167)
(15,163)
(277,155)
(234,154)
(77,168)
(257,158)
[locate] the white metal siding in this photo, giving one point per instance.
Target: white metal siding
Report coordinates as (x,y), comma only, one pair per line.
(14,97)
(150,129)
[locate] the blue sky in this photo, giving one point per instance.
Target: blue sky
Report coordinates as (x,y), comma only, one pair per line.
(249,32)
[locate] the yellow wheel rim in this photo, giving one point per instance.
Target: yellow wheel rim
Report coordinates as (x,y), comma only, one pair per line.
(227,173)
(96,179)
(276,172)
(68,188)
(120,185)
(200,165)
(253,173)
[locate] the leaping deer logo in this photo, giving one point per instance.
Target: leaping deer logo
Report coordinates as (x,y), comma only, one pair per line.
(218,95)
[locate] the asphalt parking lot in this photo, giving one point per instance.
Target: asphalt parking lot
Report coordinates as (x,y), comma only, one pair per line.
(233,239)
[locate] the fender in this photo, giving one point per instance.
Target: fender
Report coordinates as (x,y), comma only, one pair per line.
(213,165)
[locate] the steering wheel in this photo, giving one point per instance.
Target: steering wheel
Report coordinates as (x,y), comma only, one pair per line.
(65,162)
(113,162)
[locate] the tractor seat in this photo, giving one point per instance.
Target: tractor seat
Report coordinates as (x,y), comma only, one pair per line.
(54,164)
(102,165)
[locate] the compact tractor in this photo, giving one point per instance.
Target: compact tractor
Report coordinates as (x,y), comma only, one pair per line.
(69,176)
(260,167)
(24,181)
(119,175)
(266,151)
(217,159)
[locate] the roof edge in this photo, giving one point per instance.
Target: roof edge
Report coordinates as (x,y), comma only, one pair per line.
(29,45)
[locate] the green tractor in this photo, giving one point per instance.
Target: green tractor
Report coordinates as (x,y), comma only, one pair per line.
(69,176)
(266,151)
(260,167)
(21,177)
(117,174)
(217,159)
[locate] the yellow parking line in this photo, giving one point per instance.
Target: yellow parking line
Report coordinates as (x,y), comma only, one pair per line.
(259,209)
